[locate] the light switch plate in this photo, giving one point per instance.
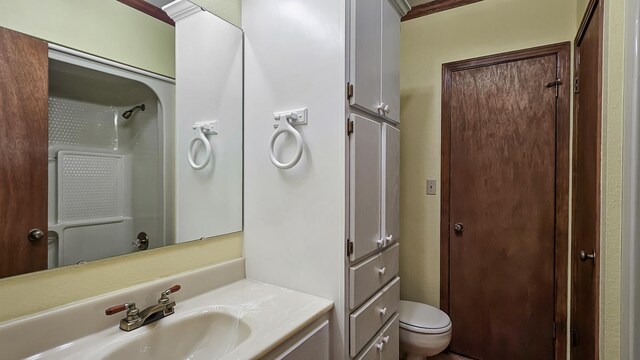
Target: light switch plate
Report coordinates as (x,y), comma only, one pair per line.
(432,185)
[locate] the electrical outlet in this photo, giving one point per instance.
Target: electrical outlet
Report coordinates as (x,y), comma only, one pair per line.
(431,187)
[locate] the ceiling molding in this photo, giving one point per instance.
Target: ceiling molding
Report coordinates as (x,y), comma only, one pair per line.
(149,9)
(434,7)
(402,6)
(179,10)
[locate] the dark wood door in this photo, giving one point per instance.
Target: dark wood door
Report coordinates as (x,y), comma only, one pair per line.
(586,188)
(23,152)
(501,212)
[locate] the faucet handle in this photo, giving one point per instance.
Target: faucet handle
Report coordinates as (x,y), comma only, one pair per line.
(164,296)
(130,307)
(171,290)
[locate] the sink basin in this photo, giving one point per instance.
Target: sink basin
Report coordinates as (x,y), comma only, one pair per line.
(203,335)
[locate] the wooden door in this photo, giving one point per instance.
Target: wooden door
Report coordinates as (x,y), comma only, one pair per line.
(586,187)
(505,180)
(365,54)
(365,172)
(390,183)
(23,152)
(391,60)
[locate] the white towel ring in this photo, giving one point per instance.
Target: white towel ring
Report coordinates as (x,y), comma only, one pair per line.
(286,128)
(193,147)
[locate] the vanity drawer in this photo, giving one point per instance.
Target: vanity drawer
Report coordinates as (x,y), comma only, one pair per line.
(369,276)
(370,317)
(386,345)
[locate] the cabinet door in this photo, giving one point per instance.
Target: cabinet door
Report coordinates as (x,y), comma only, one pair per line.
(365,199)
(23,152)
(391,60)
(390,183)
(365,53)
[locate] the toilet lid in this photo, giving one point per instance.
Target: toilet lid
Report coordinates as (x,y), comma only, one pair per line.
(423,318)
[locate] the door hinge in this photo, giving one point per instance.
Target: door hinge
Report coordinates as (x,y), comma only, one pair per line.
(349,247)
(349,91)
(576,85)
(555,84)
(349,127)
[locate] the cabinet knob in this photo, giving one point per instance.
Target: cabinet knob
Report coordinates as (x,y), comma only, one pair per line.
(386,109)
(383,341)
(382,311)
(459,228)
(382,270)
(382,242)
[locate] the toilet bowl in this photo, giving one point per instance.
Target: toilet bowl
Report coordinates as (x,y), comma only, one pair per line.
(424,330)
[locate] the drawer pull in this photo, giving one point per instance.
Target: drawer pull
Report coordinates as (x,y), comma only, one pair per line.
(383,311)
(382,270)
(383,341)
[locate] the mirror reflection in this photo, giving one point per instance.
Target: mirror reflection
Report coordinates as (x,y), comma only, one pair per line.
(116,149)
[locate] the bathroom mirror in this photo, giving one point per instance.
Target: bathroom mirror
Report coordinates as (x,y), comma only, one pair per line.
(135,160)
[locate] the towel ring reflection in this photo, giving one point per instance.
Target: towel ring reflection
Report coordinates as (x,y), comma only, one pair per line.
(285,127)
(202,130)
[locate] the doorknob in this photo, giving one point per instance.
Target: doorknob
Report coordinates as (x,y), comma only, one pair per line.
(459,228)
(35,235)
(584,256)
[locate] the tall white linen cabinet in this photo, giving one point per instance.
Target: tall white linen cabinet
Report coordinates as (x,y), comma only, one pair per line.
(328,226)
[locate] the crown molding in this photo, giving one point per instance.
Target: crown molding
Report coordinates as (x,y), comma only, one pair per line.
(180,9)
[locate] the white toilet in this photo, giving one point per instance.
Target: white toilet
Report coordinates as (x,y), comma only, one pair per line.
(424,330)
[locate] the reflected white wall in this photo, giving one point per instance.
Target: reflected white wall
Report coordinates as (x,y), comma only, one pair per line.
(209,87)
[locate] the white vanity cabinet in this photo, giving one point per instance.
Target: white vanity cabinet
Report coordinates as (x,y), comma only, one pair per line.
(374,202)
(375,57)
(374,178)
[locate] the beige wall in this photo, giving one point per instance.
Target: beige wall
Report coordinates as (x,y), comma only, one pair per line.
(117,32)
(612,141)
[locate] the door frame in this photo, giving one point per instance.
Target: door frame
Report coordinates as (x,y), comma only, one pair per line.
(562,175)
(593,7)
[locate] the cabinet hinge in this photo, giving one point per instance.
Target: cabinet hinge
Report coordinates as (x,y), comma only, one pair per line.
(349,91)
(554,330)
(349,247)
(576,85)
(349,127)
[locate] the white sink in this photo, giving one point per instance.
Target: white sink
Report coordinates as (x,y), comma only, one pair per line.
(211,334)
(218,315)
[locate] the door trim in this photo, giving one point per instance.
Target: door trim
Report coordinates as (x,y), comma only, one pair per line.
(593,7)
(562,51)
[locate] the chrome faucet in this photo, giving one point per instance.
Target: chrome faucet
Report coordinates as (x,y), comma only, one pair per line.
(136,318)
